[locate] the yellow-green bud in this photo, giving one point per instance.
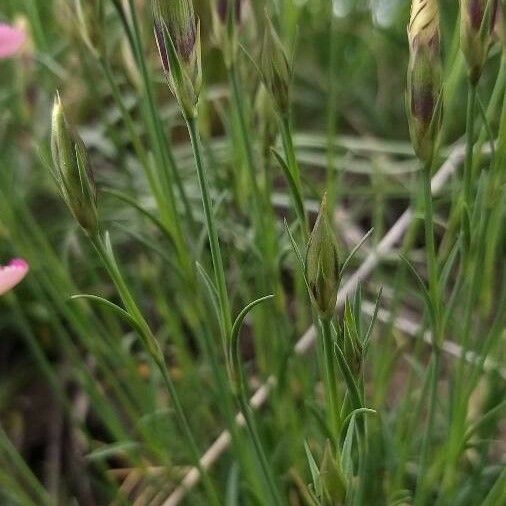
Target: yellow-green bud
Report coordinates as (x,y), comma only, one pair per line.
(177,32)
(275,68)
(477,18)
(322,265)
(424,93)
(72,170)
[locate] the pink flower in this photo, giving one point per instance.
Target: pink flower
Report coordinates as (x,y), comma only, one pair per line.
(11,39)
(12,274)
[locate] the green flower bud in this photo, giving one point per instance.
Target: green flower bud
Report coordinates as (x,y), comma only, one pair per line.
(275,68)
(424,92)
(72,170)
(322,265)
(477,19)
(177,32)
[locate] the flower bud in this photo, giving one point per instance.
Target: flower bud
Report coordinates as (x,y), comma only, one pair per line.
(72,170)
(424,93)
(322,265)
(275,69)
(476,26)
(177,32)
(226,20)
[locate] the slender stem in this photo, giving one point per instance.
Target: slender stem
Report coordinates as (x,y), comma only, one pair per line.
(332,176)
(330,378)
(168,173)
(264,463)
(157,356)
(242,398)
(236,93)
(293,166)
(219,271)
(431,249)
(468,167)
(436,327)
(421,478)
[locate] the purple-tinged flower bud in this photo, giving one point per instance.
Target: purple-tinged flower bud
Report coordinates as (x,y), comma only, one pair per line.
(275,68)
(226,23)
(72,170)
(322,267)
(177,32)
(477,19)
(223,6)
(424,93)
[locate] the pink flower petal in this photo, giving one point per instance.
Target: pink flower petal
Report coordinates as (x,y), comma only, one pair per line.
(11,40)
(12,274)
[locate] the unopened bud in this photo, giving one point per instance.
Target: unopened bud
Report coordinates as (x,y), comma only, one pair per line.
(226,20)
(424,94)
(477,18)
(72,170)
(275,68)
(177,32)
(322,265)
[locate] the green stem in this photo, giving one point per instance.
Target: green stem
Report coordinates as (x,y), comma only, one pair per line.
(293,166)
(468,167)
(431,250)
(242,398)
(168,172)
(424,452)
(153,348)
(248,151)
(436,334)
(330,378)
(219,271)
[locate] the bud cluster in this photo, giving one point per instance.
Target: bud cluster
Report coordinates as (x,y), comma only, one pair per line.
(177,32)
(72,170)
(322,266)
(424,94)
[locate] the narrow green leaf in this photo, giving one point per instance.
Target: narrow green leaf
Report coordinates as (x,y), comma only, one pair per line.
(354,251)
(313,468)
(110,305)
(298,200)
